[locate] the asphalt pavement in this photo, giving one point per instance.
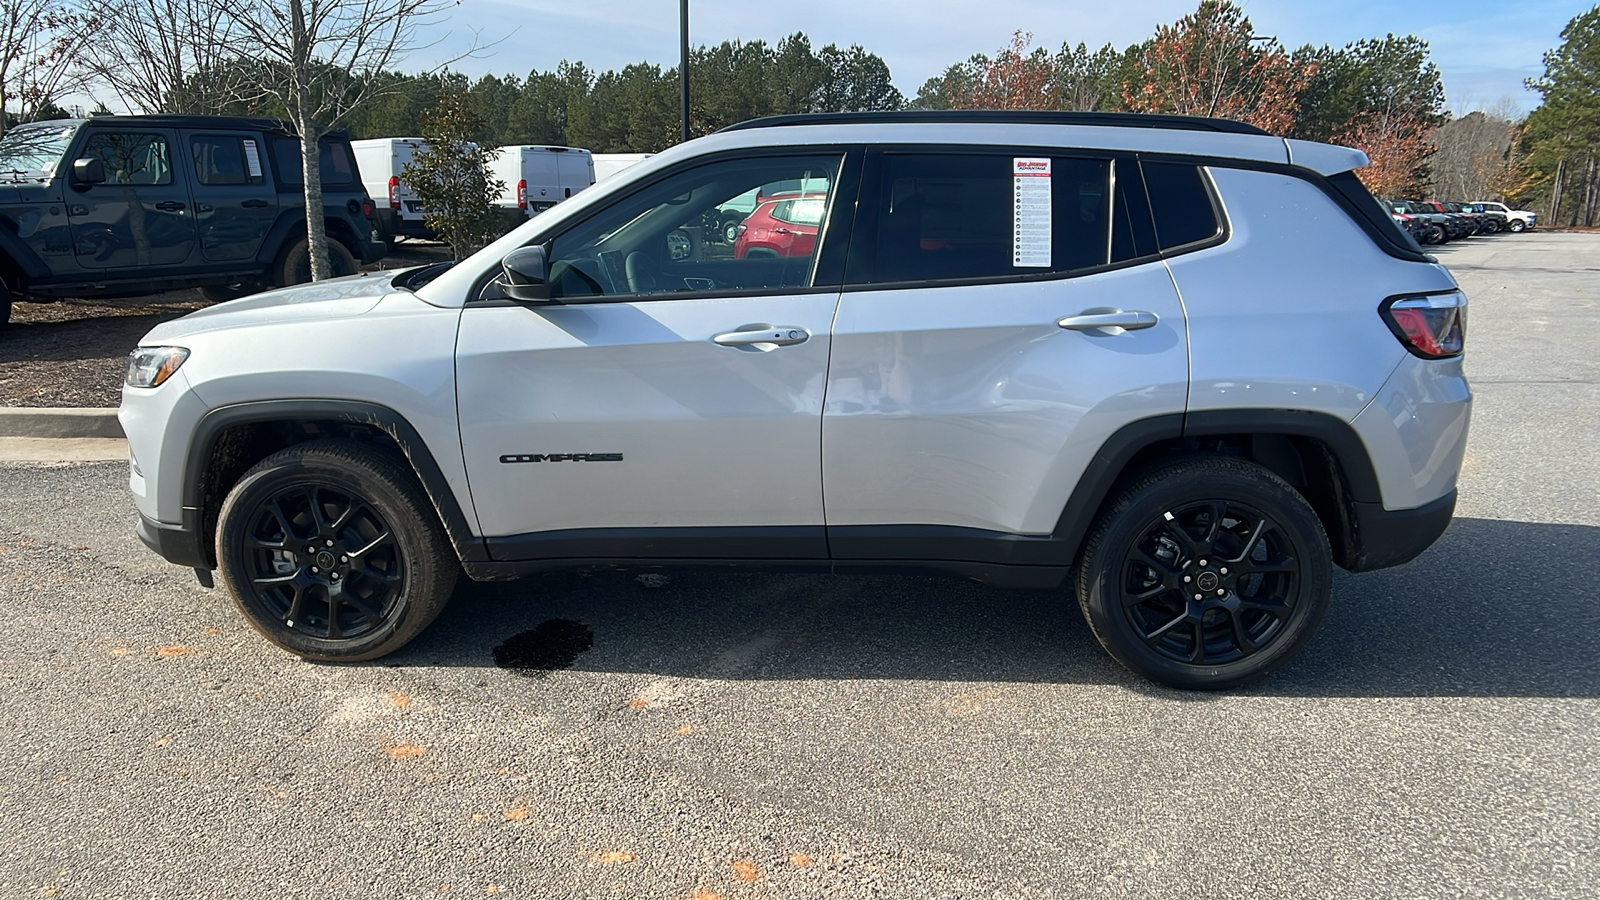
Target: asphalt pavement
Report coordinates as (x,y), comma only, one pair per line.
(755,735)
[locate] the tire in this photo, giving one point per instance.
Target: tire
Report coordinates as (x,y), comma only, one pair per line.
(730,230)
(1262,593)
(294,265)
(1519,226)
(392,579)
(1437,235)
(222,293)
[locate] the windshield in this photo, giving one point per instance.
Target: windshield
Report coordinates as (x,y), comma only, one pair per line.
(33,151)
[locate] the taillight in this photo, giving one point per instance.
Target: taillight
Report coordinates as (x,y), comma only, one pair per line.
(394,191)
(522,194)
(366,208)
(1432,326)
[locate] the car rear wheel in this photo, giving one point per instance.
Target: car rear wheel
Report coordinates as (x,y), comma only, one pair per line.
(1206,573)
(333,553)
(294,267)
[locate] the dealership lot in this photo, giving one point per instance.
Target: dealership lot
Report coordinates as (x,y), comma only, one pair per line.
(769,735)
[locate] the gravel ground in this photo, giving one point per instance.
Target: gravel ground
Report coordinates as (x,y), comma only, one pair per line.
(716,735)
(72,352)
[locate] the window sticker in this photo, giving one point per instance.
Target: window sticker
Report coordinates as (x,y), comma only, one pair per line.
(252,158)
(1031,227)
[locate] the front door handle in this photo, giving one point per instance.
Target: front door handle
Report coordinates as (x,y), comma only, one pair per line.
(169,205)
(756,335)
(1108,317)
(253,204)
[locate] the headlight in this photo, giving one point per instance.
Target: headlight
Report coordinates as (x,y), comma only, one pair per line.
(149,366)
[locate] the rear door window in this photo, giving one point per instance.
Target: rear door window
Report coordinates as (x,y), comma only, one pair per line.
(1180,200)
(222,159)
(976,216)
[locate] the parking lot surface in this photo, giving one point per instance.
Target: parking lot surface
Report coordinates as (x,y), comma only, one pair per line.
(731,734)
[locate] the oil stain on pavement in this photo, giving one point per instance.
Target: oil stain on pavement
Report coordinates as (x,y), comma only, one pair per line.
(554,644)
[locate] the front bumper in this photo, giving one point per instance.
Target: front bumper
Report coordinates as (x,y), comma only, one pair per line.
(180,544)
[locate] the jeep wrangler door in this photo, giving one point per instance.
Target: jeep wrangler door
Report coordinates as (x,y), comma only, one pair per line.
(235,202)
(1003,314)
(666,400)
(140,216)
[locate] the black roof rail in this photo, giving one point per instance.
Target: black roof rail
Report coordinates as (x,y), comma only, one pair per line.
(1004,117)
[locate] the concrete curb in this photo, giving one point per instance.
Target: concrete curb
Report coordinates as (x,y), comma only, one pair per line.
(68,422)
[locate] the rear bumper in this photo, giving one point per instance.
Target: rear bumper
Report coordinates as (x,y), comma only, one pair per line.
(1390,537)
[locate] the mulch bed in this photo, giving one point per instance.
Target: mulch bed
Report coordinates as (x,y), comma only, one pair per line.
(73,352)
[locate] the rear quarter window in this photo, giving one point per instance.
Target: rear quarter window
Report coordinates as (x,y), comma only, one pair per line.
(337,166)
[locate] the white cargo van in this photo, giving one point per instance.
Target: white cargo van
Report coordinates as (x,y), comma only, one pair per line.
(538,177)
(381,160)
(609,164)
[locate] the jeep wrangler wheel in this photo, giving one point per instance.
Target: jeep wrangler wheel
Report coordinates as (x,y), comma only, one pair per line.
(1205,574)
(294,266)
(332,552)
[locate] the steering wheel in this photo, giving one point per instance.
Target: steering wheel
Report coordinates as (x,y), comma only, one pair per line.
(640,270)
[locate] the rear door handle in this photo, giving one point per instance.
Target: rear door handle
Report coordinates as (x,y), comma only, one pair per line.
(755,335)
(253,204)
(169,205)
(1108,317)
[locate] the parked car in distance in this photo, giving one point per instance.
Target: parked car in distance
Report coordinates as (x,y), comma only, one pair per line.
(785,226)
(1436,226)
(538,176)
(1180,369)
(399,212)
(1517,220)
(119,206)
(1414,225)
(609,164)
(1496,221)
(1457,224)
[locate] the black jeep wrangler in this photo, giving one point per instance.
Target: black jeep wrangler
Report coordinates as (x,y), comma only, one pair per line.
(117,206)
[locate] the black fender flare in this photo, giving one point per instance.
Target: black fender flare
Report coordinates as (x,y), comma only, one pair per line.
(469,547)
(1357,480)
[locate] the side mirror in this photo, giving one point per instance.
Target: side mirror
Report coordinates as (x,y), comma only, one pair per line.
(88,171)
(526,275)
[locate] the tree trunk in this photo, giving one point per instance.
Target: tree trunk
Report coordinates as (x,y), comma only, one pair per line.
(1588,194)
(316,222)
(1555,192)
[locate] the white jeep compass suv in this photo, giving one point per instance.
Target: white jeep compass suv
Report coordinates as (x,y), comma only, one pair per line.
(1180,366)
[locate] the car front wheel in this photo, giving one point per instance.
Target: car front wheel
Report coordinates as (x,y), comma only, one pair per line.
(1206,573)
(333,553)
(1518,226)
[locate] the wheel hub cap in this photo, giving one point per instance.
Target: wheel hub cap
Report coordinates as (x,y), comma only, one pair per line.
(1205,581)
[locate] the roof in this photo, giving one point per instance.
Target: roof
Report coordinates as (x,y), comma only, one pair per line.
(255,123)
(1006,117)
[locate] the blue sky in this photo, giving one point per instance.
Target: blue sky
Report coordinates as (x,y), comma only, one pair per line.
(1485,48)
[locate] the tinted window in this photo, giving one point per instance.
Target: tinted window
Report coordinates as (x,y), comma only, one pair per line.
(221,160)
(335,158)
(711,228)
(131,158)
(1132,234)
(963,216)
(1180,203)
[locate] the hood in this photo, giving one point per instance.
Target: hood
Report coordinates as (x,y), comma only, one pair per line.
(335,298)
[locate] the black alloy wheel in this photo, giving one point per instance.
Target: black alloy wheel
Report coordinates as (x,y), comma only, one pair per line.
(332,552)
(1210,582)
(323,561)
(1206,573)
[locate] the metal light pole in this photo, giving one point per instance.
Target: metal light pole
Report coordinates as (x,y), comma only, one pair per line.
(683,62)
